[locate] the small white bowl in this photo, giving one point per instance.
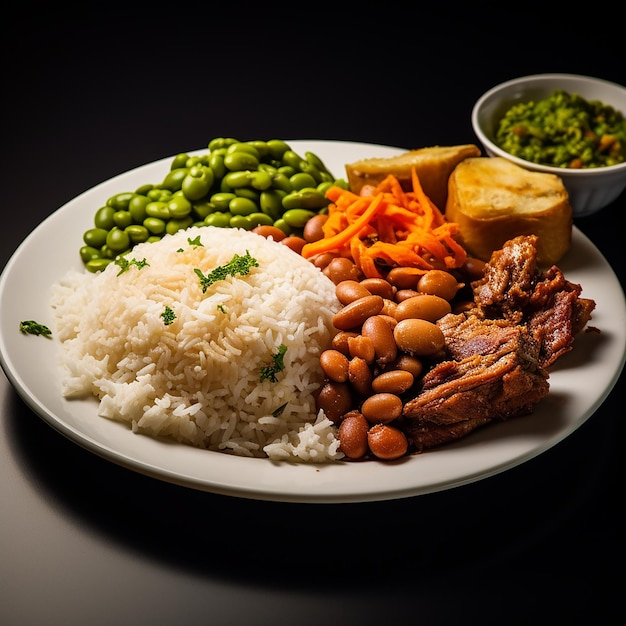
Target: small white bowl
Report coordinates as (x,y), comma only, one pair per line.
(589,189)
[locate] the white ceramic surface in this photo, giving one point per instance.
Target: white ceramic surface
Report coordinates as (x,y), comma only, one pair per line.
(589,189)
(579,383)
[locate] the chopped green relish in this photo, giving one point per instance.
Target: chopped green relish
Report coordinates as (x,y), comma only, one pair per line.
(564,130)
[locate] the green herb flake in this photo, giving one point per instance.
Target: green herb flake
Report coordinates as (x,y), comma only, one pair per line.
(238,265)
(195,242)
(279,411)
(168,316)
(180,250)
(221,308)
(30,327)
(125,263)
(269,372)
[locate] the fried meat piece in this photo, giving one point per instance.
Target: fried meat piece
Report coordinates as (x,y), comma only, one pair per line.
(492,375)
(498,352)
(514,289)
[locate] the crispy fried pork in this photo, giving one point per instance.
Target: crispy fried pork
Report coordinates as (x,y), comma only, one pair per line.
(497,353)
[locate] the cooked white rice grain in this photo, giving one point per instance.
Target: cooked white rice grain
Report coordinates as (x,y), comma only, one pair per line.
(198,379)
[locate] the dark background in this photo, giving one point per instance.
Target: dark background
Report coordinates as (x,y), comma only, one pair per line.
(96,91)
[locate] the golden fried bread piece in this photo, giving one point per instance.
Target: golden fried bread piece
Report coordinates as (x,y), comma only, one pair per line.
(433,166)
(493,200)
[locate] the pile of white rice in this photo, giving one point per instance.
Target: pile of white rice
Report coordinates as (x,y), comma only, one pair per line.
(198,380)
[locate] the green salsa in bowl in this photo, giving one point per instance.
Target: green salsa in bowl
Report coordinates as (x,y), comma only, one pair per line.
(564,124)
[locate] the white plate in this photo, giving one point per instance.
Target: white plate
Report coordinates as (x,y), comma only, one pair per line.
(579,383)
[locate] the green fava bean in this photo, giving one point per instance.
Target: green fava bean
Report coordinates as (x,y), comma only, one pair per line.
(277,148)
(281,181)
(120,201)
(178,207)
(87,253)
(300,180)
(95,237)
(137,233)
(174,225)
(144,189)
(155,225)
(293,159)
(104,217)
(240,160)
(158,209)
(159,194)
(248,192)
(260,146)
(280,223)
(221,200)
(308,198)
(220,219)
(268,167)
(312,171)
(107,253)
(137,208)
(241,221)
(201,209)
(193,160)
(242,206)
(260,219)
(174,179)
(297,218)
(260,180)
(271,202)
(117,240)
(236,179)
(97,265)
(198,182)
(216,163)
(179,161)
(325,186)
(244,147)
(316,162)
(221,142)
(122,219)
(287,170)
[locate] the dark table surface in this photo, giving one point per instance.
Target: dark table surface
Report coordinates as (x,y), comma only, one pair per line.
(84,541)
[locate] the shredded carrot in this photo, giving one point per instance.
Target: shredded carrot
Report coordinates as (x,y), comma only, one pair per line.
(387,227)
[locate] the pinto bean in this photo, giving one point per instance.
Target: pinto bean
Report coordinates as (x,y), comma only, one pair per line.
(354,314)
(389,307)
(379,287)
(335,399)
(360,376)
(341,268)
(350,290)
(313,228)
(387,442)
(424,307)
(403,294)
(439,283)
(404,277)
(362,347)
(380,333)
(393,381)
(334,365)
(322,260)
(340,341)
(408,363)
(352,435)
(418,337)
(382,408)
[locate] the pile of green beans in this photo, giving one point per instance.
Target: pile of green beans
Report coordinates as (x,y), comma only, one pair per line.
(236,184)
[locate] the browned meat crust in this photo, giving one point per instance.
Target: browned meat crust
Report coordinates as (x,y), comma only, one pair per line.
(494,376)
(497,353)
